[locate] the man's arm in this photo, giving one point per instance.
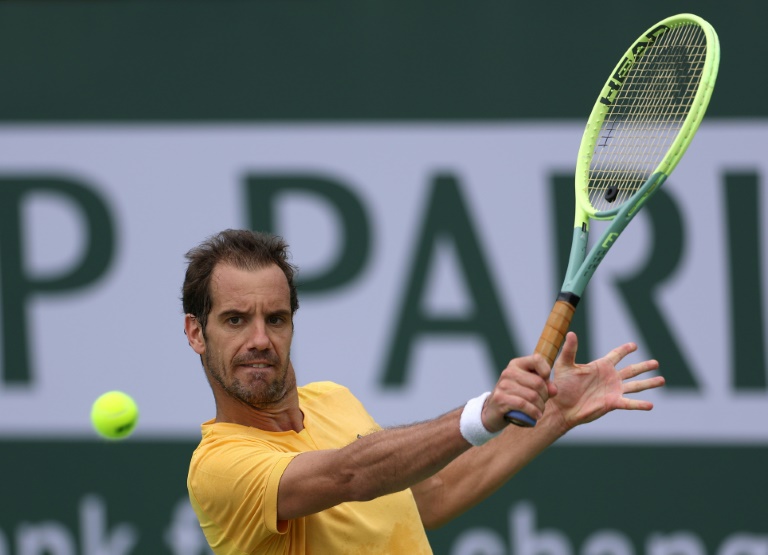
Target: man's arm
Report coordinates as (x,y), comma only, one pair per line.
(480,471)
(378,464)
(394,459)
(584,393)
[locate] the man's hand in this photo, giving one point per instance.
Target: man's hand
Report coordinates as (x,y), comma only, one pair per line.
(588,391)
(523,386)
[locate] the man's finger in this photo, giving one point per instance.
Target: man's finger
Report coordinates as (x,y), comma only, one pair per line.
(636,404)
(570,346)
(643,385)
(636,369)
(618,354)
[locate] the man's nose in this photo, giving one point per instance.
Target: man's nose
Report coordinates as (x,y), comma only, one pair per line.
(258,338)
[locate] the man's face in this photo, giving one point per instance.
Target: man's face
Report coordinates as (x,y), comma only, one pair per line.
(247,341)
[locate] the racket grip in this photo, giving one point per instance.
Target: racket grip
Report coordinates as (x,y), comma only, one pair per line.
(519,418)
(553,335)
(550,342)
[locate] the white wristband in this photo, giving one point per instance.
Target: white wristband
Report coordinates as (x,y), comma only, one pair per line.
(471,422)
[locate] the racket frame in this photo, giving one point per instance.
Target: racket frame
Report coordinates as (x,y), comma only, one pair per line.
(581,266)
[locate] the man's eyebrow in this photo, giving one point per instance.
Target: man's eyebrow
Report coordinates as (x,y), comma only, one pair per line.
(280,312)
(230,312)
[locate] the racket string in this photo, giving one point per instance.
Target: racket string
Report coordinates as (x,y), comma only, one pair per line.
(646,115)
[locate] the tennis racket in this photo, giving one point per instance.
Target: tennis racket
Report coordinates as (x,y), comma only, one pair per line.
(641,125)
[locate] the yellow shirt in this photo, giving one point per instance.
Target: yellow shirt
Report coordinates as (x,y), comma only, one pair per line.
(235,472)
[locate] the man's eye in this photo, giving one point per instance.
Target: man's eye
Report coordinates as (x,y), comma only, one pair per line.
(274,320)
(235,320)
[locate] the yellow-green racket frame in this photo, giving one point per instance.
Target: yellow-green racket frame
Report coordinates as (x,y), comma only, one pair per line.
(581,266)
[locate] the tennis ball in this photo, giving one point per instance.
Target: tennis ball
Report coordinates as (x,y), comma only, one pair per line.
(114,415)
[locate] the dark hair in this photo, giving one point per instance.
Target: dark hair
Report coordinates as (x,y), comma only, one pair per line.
(242,248)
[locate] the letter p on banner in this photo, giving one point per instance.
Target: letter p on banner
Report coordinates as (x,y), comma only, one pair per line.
(17,286)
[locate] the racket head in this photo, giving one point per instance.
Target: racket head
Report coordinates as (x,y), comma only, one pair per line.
(645,117)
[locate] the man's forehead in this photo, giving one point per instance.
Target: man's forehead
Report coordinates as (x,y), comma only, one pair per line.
(229,280)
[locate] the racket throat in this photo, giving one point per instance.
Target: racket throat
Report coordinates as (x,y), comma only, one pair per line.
(574,281)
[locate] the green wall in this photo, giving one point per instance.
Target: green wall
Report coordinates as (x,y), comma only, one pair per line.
(307,60)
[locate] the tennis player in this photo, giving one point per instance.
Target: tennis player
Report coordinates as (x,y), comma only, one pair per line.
(293,470)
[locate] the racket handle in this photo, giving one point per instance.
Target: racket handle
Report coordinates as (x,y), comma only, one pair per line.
(553,336)
(550,342)
(520,419)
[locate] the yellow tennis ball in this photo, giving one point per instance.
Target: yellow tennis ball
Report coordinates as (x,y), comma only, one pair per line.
(114,415)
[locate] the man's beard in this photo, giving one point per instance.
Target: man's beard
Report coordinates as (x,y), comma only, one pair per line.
(258,393)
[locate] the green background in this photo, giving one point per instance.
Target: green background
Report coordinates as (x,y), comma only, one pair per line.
(109,61)
(310,60)
(641,491)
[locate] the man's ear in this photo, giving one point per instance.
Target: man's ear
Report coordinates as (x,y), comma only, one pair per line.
(194,332)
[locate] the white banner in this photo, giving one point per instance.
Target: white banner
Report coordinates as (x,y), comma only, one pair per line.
(167,187)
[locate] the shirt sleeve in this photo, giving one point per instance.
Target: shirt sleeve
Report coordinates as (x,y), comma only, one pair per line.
(236,485)
(270,497)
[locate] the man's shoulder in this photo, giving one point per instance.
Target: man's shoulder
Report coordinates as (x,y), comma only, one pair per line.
(321,388)
(321,393)
(330,406)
